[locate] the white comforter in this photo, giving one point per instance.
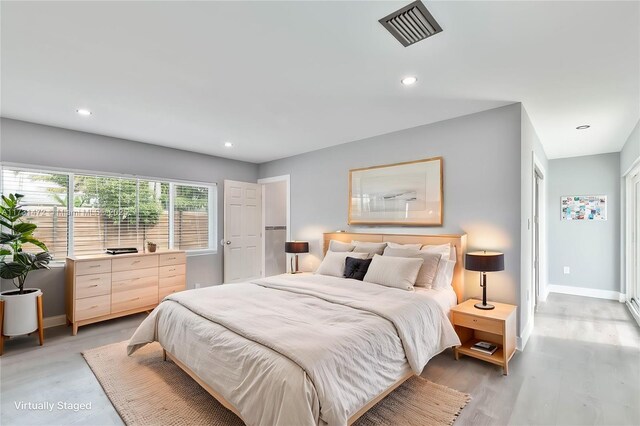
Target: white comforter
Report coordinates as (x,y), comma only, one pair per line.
(299,350)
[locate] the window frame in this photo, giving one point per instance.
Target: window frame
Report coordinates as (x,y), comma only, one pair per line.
(212,188)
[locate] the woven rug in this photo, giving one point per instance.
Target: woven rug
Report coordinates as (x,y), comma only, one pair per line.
(145,390)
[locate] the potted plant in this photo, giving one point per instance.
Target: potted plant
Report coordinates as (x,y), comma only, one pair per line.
(151,246)
(20,309)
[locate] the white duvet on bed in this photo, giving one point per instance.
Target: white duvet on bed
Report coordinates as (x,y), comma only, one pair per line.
(302,350)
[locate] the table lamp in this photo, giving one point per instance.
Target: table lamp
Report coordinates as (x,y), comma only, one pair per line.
(484,261)
(296,247)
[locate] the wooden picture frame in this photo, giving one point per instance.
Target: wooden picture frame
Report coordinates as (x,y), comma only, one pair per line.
(400,194)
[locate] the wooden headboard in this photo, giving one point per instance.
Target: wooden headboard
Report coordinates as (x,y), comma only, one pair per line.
(459,241)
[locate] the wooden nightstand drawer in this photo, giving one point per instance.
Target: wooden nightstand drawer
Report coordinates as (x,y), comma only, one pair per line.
(92,307)
(172,259)
(483,324)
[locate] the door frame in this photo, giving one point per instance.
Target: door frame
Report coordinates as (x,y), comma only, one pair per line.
(630,254)
(543,292)
(262,182)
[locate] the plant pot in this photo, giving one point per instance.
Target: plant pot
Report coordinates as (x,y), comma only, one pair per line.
(152,248)
(20,311)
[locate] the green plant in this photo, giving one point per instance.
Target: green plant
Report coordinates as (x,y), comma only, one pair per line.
(17,232)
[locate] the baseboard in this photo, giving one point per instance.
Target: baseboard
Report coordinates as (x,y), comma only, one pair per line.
(587,292)
(54,321)
(521,341)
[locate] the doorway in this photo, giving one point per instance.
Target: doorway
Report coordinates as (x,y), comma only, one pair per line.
(536,237)
(633,241)
(275,222)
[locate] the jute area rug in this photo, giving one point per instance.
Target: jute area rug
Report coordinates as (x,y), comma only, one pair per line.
(145,390)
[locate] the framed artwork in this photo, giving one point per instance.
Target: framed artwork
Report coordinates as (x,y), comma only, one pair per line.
(402,194)
(584,207)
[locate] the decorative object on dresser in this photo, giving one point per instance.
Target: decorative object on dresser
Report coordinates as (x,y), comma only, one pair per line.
(151,247)
(405,194)
(497,327)
(101,287)
(296,247)
(20,309)
(484,261)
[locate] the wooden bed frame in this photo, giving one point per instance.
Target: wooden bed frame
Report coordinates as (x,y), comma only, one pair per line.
(460,243)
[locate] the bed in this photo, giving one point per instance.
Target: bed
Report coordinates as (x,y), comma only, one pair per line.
(305,349)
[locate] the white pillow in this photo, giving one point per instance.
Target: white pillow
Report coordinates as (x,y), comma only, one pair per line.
(364,247)
(339,246)
(443,250)
(429,269)
(444,277)
(333,262)
(404,246)
(398,272)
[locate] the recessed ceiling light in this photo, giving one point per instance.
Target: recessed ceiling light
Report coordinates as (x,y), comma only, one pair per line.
(228,145)
(408,81)
(83,111)
(583,127)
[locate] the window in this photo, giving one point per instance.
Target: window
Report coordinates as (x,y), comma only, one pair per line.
(113,211)
(191,217)
(46,200)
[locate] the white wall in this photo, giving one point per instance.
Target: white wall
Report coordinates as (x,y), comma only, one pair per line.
(591,249)
(482,187)
(45,146)
(630,153)
(275,213)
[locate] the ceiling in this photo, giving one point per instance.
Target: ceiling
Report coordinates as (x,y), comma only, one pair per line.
(282,78)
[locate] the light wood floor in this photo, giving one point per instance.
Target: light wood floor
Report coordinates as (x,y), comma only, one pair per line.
(580,367)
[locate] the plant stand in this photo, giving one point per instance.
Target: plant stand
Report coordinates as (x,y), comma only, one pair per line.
(40,324)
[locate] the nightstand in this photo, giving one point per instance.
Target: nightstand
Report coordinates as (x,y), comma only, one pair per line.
(497,326)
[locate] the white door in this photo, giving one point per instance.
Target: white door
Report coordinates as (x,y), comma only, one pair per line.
(242,231)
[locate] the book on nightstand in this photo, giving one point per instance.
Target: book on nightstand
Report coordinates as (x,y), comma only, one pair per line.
(485,347)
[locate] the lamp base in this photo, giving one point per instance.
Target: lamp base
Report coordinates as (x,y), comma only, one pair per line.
(486,307)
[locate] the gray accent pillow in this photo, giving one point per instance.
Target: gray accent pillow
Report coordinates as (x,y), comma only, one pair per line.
(429,269)
(371,248)
(339,246)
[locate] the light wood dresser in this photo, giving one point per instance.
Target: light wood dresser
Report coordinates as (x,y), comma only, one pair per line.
(497,326)
(101,287)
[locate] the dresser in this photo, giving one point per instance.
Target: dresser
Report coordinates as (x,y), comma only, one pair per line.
(101,287)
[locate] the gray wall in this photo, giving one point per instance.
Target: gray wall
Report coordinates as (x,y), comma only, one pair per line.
(481,187)
(590,248)
(631,151)
(531,148)
(45,146)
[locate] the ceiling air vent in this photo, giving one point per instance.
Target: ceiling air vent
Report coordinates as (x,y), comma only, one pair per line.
(411,24)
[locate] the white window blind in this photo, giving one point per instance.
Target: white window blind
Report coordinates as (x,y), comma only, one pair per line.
(191,217)
(46,200)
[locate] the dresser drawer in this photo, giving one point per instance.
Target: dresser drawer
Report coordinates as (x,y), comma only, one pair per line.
(93,285)
(133,299)
(93,267)
(135,273)
(92,307)
(478,323)
(165,291)
(172,270)
(172,281)
(172,259)
(133,283)
(135,262)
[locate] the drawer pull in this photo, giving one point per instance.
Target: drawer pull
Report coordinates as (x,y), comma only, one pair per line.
(135,298)
(93,307)
(94,285)
(171,270)
(94,266)
(135,261)
(95,279)
(172,258)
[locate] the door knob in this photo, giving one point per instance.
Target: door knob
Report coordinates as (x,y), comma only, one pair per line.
(223,242)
